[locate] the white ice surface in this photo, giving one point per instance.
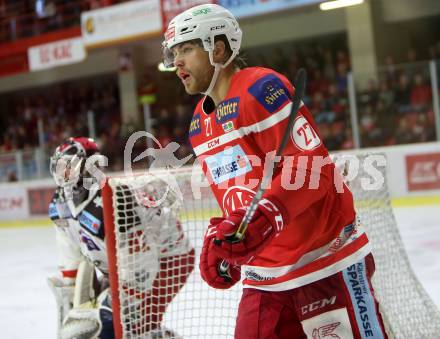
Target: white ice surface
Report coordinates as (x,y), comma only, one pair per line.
(27,308)
(28,256)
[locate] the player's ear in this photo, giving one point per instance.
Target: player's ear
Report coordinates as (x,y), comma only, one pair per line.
(220,53)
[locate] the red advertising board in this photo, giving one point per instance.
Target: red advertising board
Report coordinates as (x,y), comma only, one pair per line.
(13,55)
(39,199)
(170,8)
(14,63)
(423,171)
(58,53)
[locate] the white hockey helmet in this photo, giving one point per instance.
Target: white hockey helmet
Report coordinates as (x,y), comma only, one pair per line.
(202,22)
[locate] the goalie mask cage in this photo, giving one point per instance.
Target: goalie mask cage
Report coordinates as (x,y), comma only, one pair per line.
(170,308)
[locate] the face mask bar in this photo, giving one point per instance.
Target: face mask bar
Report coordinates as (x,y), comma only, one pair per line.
(169,56)
(66,170)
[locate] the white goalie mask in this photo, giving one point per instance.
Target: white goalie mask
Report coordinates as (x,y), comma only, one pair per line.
(67,164)
(203,22)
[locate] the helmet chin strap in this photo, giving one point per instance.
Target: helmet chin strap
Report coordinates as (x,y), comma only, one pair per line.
(217,68)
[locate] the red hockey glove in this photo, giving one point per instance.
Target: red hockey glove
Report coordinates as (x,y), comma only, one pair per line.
(210,263)
(265,224)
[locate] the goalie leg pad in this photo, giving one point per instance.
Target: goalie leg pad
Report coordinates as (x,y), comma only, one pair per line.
(63,298)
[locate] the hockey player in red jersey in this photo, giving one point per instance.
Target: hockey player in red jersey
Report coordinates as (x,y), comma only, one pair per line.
(77,211)
(306,262)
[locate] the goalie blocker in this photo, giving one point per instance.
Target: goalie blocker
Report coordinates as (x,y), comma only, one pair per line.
(152,244)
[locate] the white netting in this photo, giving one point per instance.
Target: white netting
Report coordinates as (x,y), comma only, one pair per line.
(154,258)
(407,308)
(148,277)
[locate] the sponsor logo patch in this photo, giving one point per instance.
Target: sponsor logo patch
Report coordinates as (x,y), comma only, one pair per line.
(53,213)
(228,126)
(228,164)
(214,143)
(423,171)
(89,25)
(250,274)
(90,222)
(90,244)
(195,126)
(270,92)
(227,110)
(170,33)
(342,238)
(319,304)
(236,197)
(333,324)
(326,331)
(202,11)
(59,210)
(363,303)
(216,28)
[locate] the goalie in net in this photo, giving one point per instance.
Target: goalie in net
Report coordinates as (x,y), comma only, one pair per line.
(155,246)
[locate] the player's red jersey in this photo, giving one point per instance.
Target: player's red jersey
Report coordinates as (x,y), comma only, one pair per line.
(320,236)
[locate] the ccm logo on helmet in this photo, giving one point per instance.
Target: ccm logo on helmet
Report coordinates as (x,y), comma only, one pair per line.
(217,27)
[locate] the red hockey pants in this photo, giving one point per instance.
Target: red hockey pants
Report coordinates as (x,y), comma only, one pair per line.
(339,306)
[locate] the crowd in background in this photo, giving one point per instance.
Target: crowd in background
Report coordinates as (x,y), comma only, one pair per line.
(26,18)
(397,108)
(63,111)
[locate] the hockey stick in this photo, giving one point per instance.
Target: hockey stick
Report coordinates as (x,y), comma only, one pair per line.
(300,84)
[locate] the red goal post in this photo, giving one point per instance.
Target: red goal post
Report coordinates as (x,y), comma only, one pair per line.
(107,200)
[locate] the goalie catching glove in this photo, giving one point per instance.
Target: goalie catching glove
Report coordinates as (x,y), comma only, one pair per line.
(93,319)
(210,262)
(266,223)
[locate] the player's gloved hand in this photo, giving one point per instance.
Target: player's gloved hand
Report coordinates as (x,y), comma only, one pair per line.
(210,262)
(265,224)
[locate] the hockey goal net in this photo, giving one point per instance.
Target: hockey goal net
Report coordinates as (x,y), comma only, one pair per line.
(156,287)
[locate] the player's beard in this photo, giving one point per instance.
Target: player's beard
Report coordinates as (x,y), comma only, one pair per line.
(199,81)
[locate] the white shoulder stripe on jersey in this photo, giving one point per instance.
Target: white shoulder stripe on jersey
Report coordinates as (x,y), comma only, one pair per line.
(241,132)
